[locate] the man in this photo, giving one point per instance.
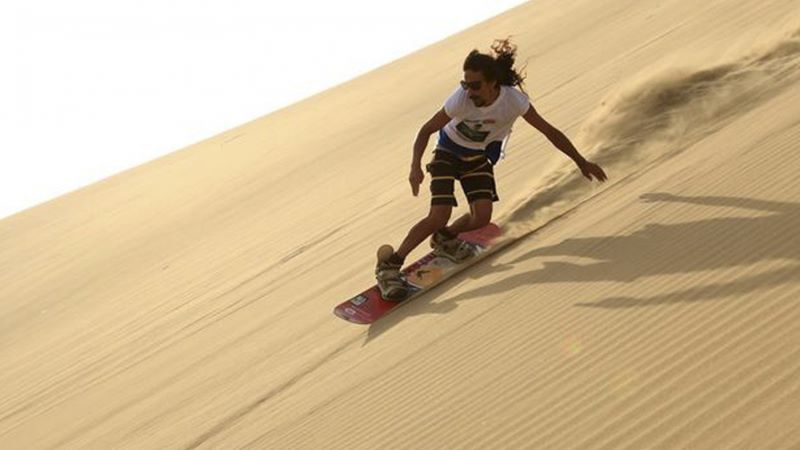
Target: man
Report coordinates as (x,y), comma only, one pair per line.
(472,126)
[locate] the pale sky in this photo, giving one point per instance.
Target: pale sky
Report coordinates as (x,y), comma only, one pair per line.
(90,88)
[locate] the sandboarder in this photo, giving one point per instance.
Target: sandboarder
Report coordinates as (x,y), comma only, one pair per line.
(472,126)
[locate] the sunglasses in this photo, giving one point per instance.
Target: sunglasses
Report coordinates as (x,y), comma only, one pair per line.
(471,85)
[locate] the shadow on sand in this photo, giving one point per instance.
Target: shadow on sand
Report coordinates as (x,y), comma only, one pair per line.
(654,250)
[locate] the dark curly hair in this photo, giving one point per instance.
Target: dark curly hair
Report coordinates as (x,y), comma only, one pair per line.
(499,67)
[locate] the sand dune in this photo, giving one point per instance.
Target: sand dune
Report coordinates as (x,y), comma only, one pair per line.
(186,303)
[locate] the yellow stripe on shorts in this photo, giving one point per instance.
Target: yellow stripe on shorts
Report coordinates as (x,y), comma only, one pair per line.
(477,174)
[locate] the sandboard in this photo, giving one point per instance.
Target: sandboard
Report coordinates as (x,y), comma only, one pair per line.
(422,275)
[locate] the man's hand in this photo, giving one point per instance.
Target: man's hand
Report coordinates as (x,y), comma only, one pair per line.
(590,169)
(415,178)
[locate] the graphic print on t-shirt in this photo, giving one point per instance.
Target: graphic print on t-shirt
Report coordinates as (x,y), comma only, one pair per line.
(473,134)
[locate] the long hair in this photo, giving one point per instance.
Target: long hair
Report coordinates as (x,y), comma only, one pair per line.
(497,67)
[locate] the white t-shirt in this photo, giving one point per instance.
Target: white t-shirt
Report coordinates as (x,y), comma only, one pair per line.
(475,127)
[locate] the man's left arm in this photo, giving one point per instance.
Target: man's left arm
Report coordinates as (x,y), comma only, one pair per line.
(561,142)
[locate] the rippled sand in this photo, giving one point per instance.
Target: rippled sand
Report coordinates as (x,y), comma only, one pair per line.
(186,303)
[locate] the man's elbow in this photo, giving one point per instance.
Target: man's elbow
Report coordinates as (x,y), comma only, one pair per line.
(426,131)
(557,138)
(552,132)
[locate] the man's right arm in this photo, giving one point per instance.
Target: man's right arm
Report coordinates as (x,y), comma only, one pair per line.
(433,125)
(439,120)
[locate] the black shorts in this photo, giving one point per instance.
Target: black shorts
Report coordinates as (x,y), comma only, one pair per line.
(475,174)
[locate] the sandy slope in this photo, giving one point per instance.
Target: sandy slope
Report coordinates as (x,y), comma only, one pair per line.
(186,303)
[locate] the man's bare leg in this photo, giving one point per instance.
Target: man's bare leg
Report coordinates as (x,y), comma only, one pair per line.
(437,218)
(480,215)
